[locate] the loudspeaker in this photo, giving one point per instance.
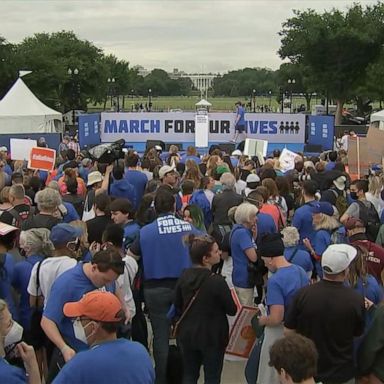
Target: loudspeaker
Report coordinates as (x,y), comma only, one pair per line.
(228,148)
(178,145)
(313,148)
(152,143)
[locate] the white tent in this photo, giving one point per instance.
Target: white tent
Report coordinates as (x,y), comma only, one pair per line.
(203,103)
(377,116)
(22,112)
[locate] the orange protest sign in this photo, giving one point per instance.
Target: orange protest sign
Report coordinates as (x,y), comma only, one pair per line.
(42,158)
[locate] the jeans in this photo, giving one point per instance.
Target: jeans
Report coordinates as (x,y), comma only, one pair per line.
(211,359)
(158,301)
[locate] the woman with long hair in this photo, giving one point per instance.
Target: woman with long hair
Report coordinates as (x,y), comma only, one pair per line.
(325,225)
(373,195)
(192,172)
(194,215)
(203,333)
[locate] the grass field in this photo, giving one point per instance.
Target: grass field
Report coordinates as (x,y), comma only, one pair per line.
(187,103)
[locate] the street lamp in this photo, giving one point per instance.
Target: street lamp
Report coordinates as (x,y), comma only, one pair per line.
(291,83)
(254,100)
(149,99)
(270,99)
(111,82)
(75,92)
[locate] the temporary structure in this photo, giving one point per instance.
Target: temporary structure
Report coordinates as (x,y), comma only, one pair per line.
(203,103)
(22,112)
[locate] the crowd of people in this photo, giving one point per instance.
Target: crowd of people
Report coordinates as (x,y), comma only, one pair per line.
(95,259)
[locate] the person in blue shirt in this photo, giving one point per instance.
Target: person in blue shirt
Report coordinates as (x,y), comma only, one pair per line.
(292,251)
(243,251)
(240,123)
(302,218)
(191,154)
(121,187)
(169,179)
(332,157)
(324,224)
(137,178)
(285,280)
(122,213)
(71,285)
(164,255)
(7,267)
(97,317)
(35,245)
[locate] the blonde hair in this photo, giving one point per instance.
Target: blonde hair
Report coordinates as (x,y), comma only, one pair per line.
(375,185)
(4,195)
(291,236)
(244,213)
(84,237)
(3,307)
(328,223)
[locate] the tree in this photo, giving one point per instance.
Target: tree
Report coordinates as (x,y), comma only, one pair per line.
(335,47)
(8,72)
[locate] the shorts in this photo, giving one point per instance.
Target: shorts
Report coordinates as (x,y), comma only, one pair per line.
(240,128)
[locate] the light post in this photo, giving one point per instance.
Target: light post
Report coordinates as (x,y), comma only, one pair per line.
(270,99)
(254,100)
(291,84)
(75,92)
(111,82)
(149,99)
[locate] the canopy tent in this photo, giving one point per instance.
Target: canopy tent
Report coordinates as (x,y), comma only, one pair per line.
(22,112)
(203,103)
(377,116)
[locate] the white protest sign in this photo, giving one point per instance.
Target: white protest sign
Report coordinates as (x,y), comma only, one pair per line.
(201,130)
(21,148)
(254,147)
(287,160)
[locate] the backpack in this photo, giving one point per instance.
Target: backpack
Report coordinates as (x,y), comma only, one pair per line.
(341,203)
(370,217)
(282,217)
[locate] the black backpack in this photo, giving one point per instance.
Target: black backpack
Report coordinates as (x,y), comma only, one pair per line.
(370,217)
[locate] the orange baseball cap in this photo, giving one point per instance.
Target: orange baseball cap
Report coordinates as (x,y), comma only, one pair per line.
(95,305)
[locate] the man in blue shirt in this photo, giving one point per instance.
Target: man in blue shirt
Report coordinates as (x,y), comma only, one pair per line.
(102,271)
(97,317)
(302,219)
(240,124)
(191,154)
(164,255)
(137,178)
(121,187)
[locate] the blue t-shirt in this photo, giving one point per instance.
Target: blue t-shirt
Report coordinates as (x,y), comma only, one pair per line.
(302,220)
(241,113)
(184,158)
(265,224)
(283,284)
(5,285)
(241,240)
(320,243)
(162,247)
(10,374)
(139,181)
(70,286)
(372,290)
(72,214)
(20,282)
(301,258)
(330,166)
(124,189)
(131,231)
(118,361)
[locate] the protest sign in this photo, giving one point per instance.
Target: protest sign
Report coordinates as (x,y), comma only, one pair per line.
(42,158)
(242,337)
(21,148)
(287,160)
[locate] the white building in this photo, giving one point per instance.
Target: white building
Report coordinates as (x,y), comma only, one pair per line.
(201,81)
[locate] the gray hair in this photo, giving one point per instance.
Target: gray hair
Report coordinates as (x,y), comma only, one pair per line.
(47,200)
(291,236)
(54,185)
(245,212)
(37,239)
(228,181)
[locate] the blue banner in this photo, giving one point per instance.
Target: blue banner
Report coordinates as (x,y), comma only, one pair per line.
(89,130)
(321,131)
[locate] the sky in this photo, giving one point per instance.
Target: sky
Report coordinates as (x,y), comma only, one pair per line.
(198,36)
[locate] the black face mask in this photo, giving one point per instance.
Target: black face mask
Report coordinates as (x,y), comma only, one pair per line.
(353,195)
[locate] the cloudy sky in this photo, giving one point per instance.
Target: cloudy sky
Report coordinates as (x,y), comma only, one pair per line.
(194,36)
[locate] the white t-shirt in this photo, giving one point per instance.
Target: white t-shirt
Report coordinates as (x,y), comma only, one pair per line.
(124,282)
(50,270)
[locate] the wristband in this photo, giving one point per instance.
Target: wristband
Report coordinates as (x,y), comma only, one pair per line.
(62,350)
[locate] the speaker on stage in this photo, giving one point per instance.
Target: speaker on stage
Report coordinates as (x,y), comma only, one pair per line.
(178,145)
(241,146)
(152,143)
(228,148)
(313,148)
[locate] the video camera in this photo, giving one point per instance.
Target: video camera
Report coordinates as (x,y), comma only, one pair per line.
(106,153)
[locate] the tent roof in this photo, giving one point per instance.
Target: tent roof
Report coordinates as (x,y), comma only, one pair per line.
(20,101)
(204,103)
(377,116)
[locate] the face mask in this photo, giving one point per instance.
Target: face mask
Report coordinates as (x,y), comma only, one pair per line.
(353,195)
(14,335)
(79,331)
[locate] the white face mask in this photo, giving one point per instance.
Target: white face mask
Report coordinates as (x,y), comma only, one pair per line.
(79,331)
(14,335)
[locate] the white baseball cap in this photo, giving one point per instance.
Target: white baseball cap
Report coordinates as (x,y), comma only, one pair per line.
(94,177)
(236,152)
(337,258)
(164,170)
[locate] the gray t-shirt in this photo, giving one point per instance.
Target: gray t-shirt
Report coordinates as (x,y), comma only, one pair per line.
(354,209)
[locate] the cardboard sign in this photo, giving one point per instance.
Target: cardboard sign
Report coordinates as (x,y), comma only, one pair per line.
(287,160)
(254,147)
(21,148)
(42,158)
(242,337)
(6,228)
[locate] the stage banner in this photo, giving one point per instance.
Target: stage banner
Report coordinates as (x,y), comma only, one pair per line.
(89,132)
(321,131)
(180,127)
